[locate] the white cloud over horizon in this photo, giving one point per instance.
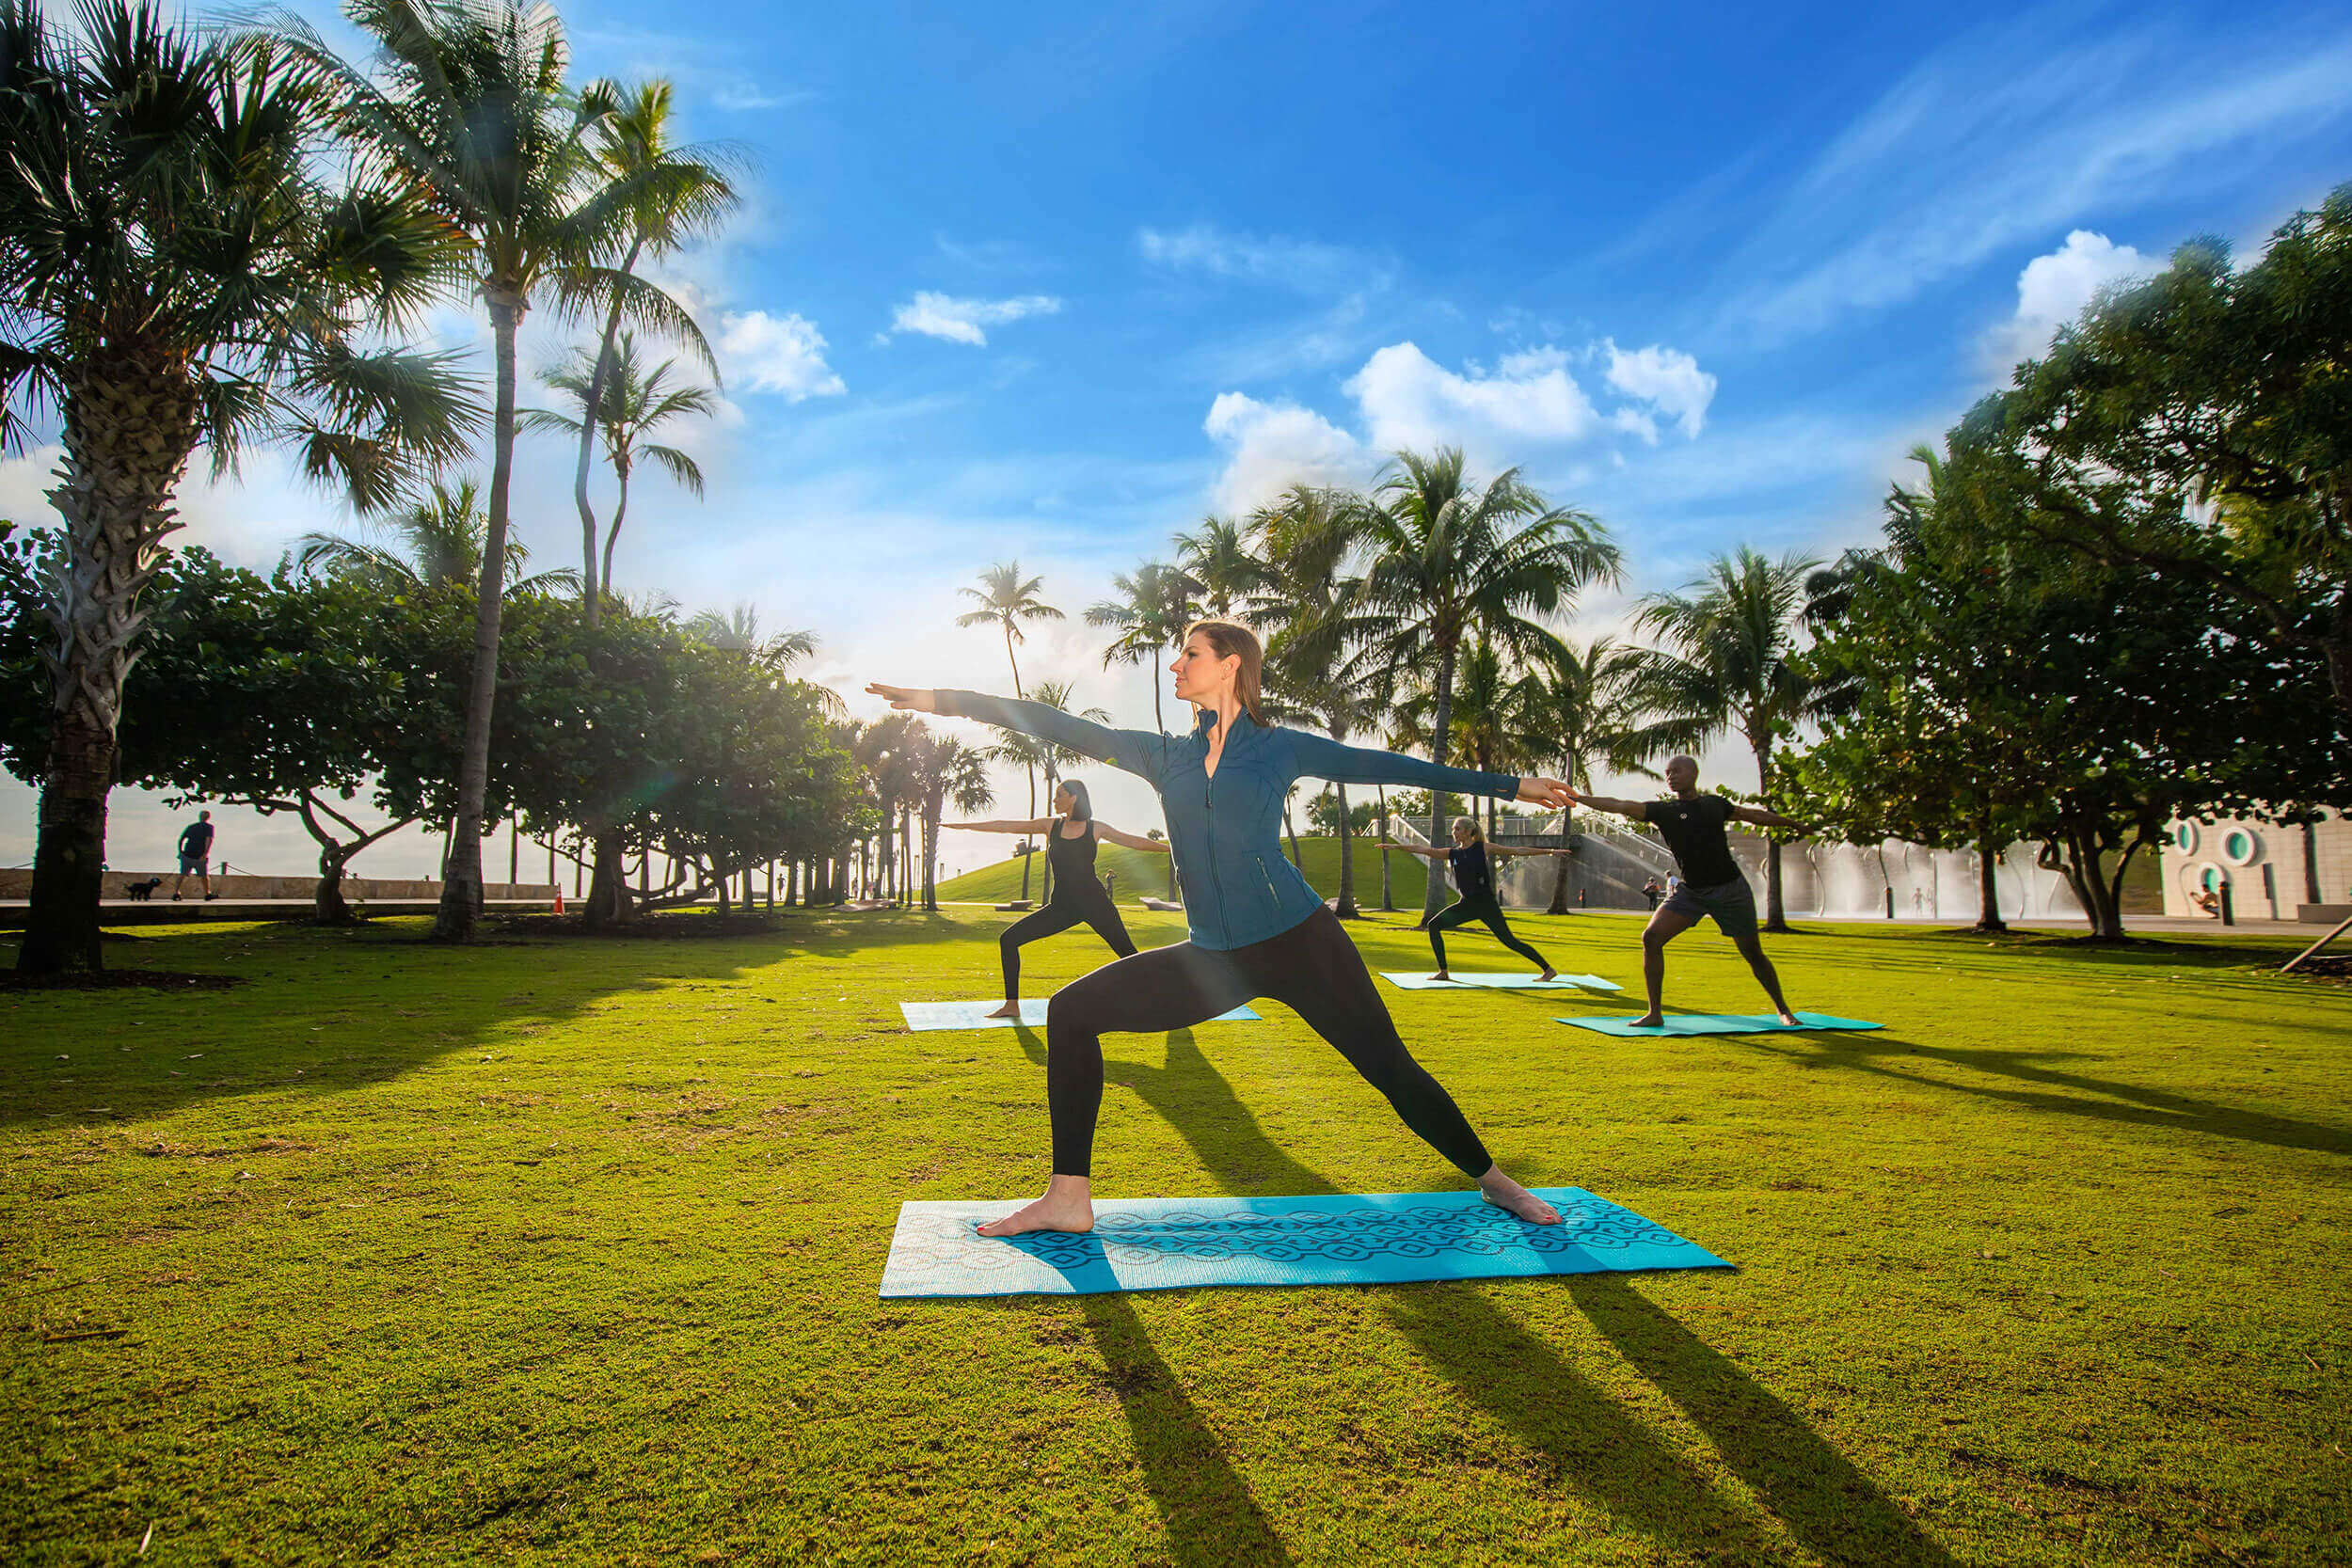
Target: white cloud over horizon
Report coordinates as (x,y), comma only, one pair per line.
(965,320)
(2053,290)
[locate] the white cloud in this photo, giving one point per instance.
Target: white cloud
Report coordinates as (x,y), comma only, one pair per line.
(777,354)
(2053,290)
(963,321)
(1408,400)
(1669,380)
(1307,265)
(1271,447)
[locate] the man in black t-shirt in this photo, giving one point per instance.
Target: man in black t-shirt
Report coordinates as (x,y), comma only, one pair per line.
(1710,886)
(195,854)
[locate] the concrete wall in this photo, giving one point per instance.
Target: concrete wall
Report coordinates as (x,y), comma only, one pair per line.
(18,884)
(2263,869)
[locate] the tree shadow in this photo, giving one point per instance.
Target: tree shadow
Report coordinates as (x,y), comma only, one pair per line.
(1828,1505)
(327,1010)
(2149,1107)
(1206,1507)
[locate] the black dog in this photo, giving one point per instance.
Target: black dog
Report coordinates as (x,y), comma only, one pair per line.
(142,892)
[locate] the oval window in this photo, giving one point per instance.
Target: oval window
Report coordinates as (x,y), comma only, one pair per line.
(2210,878)
(2185,836)
(2240,846)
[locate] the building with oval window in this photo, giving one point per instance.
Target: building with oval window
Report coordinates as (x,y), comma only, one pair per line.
(2292,870)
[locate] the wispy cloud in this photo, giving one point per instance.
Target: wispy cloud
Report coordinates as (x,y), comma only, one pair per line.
(777,354)
(1999,139)
(965,320)
(1308,266)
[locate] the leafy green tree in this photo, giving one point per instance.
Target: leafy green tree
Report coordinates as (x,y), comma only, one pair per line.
(182,264)
(1582,705)
(1008,600)
(1452,561)
(1155,606)
(2195,425)
(472,105)
(944,771)
(1731,663)
(632,402)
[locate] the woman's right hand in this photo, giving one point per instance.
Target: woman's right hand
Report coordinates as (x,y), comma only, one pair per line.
(906,699)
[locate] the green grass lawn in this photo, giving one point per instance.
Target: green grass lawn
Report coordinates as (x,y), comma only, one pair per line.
(1140,873)
(565,1251)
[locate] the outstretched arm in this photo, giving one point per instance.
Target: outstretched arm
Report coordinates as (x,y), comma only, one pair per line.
(1109,834)
(1038,826)
(1638,810)
(1317,757)
(1412,848)
(1135,751)
(1499,849)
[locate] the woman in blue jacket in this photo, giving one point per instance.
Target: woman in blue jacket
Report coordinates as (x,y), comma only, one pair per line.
(1257,929)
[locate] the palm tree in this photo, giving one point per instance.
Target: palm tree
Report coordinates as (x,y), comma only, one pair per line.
(1731,663)
(1304,595)
(1217,555)
(436,543)
(182,265)
(1006,599)
(738,632)
(632,402)
(1451,561)
(1586,703)
(472,105)
(1053,758)
(943,770)
(684,192)
(1154,607)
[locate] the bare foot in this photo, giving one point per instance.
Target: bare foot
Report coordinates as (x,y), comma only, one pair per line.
(1549,973)
(1068,1205)
(1441,974)
(1010,1009)
(1791,1020)
(1503,1193)
(1648,1020)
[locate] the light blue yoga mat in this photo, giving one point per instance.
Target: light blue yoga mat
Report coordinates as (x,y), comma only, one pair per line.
(1718,1024)
(973,1015)
(1462,981)
(1358,1239)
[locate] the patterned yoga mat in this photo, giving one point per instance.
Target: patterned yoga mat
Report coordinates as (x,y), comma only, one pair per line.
(1353,1239)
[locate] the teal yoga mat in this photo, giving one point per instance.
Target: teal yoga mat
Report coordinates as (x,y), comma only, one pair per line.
(1718,1024)
(1357,1239)
(1463,981)
(973,1015)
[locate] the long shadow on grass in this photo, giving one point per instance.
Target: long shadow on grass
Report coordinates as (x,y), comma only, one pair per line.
(2149,1107)
(332,1011)
(1207,1508)
(1587,1437)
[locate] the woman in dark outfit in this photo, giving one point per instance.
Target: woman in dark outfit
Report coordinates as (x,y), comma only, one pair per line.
(1474,881)
(1257,929)
(1077,896)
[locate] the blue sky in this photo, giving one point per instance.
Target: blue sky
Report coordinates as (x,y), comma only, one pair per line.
(1053,282)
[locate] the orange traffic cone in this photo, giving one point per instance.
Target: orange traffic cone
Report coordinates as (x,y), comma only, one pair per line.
(559,900)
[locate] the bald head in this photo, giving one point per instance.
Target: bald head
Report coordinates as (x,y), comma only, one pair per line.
(1682,774)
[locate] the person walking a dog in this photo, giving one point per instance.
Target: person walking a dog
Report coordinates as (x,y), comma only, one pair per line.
(195,854)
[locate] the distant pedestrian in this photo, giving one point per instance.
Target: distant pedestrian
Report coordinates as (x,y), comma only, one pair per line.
(1652,891)
(196,856)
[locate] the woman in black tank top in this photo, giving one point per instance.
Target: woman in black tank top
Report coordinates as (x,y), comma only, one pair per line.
(1078,895)
(1473,880)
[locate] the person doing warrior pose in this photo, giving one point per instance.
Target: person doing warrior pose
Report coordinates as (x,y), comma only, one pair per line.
(1257,929)
(1712,885)
(1474,881)
(1077,896)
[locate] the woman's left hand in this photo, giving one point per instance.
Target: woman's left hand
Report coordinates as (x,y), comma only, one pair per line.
(1547,792)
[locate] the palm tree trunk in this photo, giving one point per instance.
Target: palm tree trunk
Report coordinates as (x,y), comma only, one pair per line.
(619,510)
(1440,725)
(1345,909)
(591,585)
(129,428)
(1775,916)
(461,893)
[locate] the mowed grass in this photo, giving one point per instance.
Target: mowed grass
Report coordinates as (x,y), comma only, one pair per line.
(566,1251)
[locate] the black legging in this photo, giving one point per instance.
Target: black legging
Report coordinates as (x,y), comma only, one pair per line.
(1311,968)
(1462,911)
(1072,902)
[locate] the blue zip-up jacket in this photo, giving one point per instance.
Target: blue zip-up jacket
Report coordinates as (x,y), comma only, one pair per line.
(1226,831)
